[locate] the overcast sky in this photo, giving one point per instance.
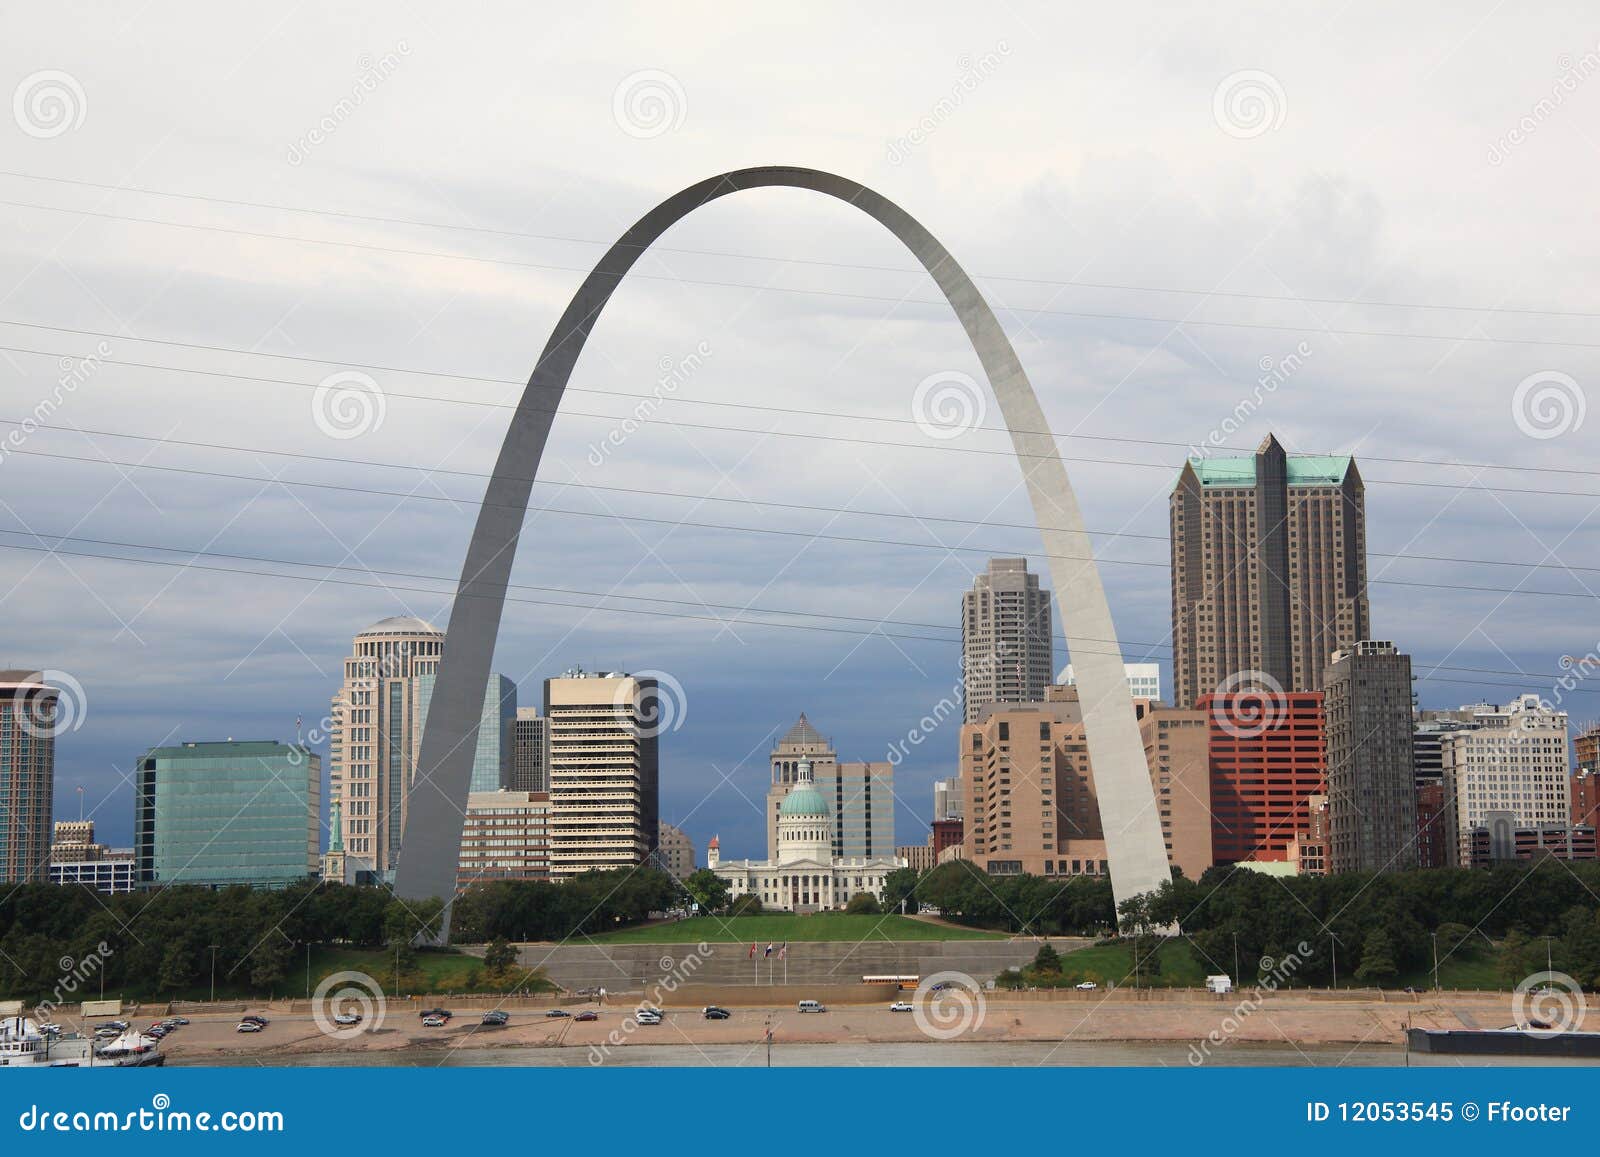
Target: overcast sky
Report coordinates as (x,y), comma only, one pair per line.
(1159,200)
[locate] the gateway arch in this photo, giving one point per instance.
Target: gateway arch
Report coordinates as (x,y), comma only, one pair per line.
(431,843)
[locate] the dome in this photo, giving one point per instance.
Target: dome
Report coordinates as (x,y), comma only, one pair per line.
(803,800)
(401,625)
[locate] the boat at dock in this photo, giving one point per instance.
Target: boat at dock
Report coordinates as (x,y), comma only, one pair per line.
(1505,1042)
(24,1043)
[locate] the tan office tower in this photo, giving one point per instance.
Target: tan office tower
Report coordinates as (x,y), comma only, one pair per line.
(376,725)
(604,790)
(28,723)
(1269,570)
(675,852)
(1030,792)
(1005,637)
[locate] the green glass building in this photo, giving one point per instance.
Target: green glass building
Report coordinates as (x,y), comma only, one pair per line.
(227,813)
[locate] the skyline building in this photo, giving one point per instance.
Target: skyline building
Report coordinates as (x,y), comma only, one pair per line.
(859,795)
(1509,773)
(948,803)
(1007,641)
(1267,762)
(28,708)
(530,751)
(1269,570)
(504,836)
(230,812)
(804,875)
(605,803)
(1371,767)
(675,852)
(375,733)
(1144,679)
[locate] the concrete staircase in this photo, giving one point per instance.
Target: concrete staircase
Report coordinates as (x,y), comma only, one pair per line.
(632,967)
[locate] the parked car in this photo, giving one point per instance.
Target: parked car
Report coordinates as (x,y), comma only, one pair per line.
(248,1026)
(254,1019)
(812,1006)
(347,1018)
(444,1012)
(1087,986)
(588,1014)
(433,1022)
(900,1006)
(712,1012)
(49,1028)
(557,1012)
(180,1021)
(647,1016)
(496,1018)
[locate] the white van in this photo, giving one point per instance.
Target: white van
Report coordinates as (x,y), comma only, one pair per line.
(1219,984)
(812,1006)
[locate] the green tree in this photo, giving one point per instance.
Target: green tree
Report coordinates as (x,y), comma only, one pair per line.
(499,956)
(1377,958)
(747,905)
(900,886)
(708,889)
(863,904)
(1047,961)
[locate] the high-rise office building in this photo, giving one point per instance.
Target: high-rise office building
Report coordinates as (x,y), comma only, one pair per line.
(1144,679)
(947,803)
(505,836)
(1510,773)
(1266,763)
(1269,570)
(604,785)
(376,735)
(1372,783)
(227,813)
(1006,640)
(530,744)
(1031,801)
(28,708)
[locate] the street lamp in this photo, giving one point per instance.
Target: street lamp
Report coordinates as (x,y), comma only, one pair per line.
(1436,987)
(213,948)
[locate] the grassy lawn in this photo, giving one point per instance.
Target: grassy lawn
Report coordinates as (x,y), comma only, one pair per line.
(435,971)
(1181,967)
(777,929)
(1481,970)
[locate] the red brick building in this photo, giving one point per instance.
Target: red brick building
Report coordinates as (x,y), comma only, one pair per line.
(946,834)
(1267,761)
(1586,799)
(1435,843)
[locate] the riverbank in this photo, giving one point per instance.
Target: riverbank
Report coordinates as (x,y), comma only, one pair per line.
(1295,1020)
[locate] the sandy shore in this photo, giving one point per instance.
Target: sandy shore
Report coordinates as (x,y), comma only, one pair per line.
(1119,1017)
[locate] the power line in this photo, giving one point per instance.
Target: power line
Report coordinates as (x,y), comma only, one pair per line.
(775,433)
(1177,322)
(578,592)
(656,492)
(377,219)
(779,531)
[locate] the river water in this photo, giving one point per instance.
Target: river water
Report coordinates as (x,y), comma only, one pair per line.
(918,1055)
